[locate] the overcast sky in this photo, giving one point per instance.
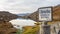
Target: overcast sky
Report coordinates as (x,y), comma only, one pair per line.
(25,6)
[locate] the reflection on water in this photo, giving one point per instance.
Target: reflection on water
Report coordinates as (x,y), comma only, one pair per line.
(18,23)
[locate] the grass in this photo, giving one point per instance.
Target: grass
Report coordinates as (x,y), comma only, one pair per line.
(19,31)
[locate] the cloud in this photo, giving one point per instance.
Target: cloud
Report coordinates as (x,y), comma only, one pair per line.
(25,6)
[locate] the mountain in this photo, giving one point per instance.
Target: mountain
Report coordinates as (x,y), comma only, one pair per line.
(6,16)
(25,14)
(5,26)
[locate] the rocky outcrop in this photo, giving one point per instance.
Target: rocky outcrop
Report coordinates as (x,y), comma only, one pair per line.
(7,28)
(56,13)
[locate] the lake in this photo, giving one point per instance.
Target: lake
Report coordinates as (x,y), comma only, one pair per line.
(19,22)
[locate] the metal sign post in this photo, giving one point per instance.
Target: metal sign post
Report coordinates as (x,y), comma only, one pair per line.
(45,15)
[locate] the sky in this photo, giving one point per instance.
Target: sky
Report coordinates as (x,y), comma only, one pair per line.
(25,6)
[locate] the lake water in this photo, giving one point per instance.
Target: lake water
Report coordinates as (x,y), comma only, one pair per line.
(18,23)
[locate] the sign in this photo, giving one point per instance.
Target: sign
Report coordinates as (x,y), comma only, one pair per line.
(45,14)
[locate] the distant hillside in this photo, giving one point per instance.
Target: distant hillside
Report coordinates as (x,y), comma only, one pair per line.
(25,14)
(6,16)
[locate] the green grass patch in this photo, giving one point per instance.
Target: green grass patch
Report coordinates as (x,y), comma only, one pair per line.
(19,31)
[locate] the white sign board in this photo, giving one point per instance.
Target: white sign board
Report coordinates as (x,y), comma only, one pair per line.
(45,14)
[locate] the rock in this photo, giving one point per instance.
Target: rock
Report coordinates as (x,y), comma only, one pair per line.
(56,13)
(7,28)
